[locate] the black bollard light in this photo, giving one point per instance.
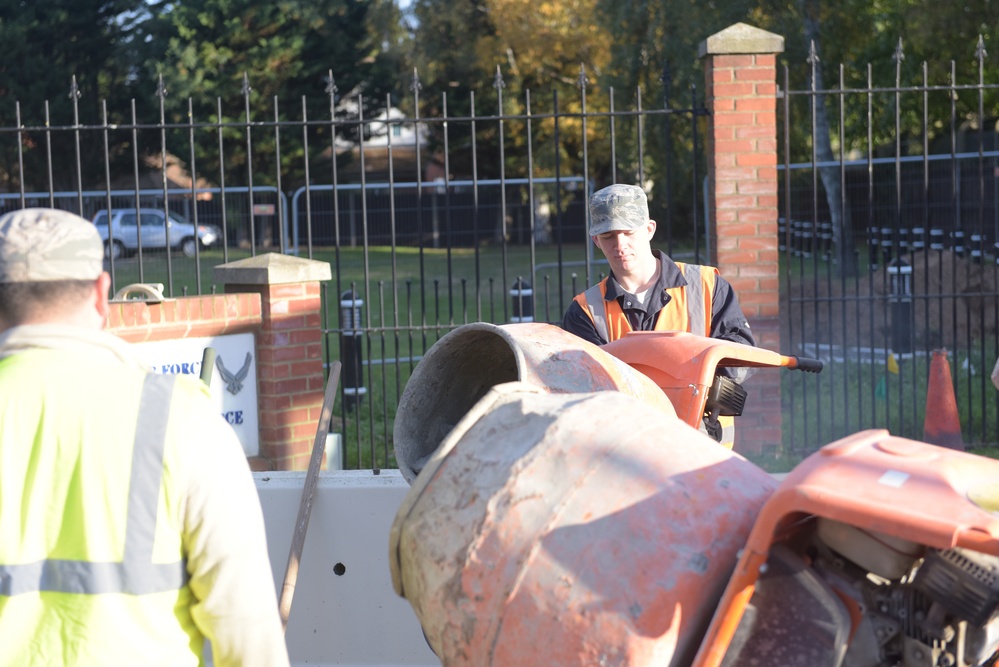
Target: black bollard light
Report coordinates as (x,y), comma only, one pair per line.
(900,279)
(522,296)
(351,350)
(957,242)
(807,240)
(797,236)
(936,239)
(977,248)
(886,245)
(825,240)
(874,241)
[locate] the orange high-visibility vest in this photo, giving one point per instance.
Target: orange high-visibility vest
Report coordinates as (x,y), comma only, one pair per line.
(689,309)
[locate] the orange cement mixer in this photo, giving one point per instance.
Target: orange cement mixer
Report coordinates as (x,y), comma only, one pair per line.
(554,525)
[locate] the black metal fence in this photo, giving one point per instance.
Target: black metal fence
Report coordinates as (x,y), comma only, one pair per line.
(436,220)
(890,253)
(442,220)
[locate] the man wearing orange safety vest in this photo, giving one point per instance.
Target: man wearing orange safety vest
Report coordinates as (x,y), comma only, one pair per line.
(130,527)
(648,291)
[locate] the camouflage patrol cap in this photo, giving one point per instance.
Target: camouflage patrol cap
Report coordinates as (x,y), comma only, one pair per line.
(42,244)
(618,207)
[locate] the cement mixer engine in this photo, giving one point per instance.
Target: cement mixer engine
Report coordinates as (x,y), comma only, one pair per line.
(911,606)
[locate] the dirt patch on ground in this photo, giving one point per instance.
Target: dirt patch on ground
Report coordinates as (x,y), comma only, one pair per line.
(953,304)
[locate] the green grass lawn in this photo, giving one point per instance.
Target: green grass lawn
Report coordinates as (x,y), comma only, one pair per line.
(475,281)
(412,297)
(848,397)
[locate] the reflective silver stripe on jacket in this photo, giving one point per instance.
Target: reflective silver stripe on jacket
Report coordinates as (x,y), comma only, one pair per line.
(136,574)
(595,304)
(695,300)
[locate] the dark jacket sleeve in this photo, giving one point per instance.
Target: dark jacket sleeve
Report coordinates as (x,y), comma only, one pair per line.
(578,322)
(729,323)
(727,319)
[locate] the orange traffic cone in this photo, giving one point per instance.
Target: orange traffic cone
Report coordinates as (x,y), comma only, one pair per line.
(942,425)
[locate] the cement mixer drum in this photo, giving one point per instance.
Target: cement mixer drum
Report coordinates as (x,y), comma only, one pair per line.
(571,529)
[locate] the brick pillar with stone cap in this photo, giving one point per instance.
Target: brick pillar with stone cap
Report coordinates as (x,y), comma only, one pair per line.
(740,69)
(289,352)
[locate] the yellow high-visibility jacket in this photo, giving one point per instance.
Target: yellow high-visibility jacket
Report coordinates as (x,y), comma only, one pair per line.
(107,557)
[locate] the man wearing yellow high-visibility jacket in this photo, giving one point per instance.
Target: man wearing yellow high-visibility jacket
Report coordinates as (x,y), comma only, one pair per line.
(130,528)
(646,290)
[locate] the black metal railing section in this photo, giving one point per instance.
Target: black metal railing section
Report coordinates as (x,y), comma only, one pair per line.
(474,212)
(890,242)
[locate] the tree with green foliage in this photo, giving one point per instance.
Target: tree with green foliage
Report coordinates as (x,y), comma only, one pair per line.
(549,48)
(649,36)
(861,45)
(448,69)
(46,45)
(654,54)
(258,61)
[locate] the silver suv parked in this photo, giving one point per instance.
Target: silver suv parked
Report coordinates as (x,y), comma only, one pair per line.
(124,237)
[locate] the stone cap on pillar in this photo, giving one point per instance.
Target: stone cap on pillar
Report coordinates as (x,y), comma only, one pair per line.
(272,269)
(741,39)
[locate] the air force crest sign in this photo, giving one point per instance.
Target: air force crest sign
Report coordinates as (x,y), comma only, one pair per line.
(233,382)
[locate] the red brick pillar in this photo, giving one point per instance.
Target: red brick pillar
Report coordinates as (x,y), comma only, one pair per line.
(740,72)
(289,352)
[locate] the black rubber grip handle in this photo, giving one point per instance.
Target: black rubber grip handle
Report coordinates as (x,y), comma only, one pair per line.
(809,365)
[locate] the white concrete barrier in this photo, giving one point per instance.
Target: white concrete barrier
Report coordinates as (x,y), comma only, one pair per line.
(345,611)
